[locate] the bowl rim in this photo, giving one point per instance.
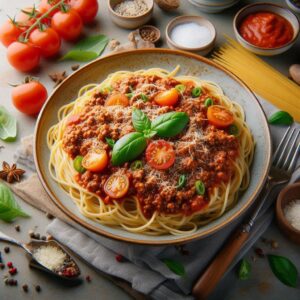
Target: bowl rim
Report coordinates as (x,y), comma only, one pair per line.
(179,239)
(245,8)
(220,6)
(279,209)
(154,28)
(110,8)
(168,31)
(292,6)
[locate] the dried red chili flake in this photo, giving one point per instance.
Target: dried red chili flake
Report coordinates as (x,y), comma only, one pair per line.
(88,278)
(13,271)
(10,264)
(119,258)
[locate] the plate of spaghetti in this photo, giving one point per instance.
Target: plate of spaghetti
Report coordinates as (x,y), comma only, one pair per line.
(152,146)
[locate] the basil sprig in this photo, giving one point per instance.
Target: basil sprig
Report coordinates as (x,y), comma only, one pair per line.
(131,145)
(281,118)
(244,270)
(174,266)
(284,270)
(8,125)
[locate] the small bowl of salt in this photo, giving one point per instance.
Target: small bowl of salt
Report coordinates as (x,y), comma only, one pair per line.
(288,212)
(191,33)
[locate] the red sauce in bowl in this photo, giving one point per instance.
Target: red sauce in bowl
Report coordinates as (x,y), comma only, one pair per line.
(266,30)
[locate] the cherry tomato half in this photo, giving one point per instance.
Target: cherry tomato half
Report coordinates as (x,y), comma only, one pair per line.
(160,155)
(24,57)
(116,186)
(47,40)
(29,97)
(167,98)
(87,9)
(117,99)
(95,161)
(219,116)
(9,33)
(67,24)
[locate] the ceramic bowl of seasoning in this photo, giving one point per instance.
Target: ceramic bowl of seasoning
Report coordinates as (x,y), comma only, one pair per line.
(191,33)
(266,29)
(149,33)
(130,14)
(294,5)
(288,212)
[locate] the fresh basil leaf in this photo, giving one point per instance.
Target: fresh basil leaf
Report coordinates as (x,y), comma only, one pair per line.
(244,270)
(110,142)
(175,266)
(8,125)
(170,124)
(281,118)
(87,49)
(144,97)
(128,147)
(284,270)
(140,121)
(9,208)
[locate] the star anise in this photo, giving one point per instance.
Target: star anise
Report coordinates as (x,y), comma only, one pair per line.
(11,173)
(58,77)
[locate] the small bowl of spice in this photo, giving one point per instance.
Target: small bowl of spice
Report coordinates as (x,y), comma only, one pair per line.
(288,211)
(149,33)
(191,33)
(130,14)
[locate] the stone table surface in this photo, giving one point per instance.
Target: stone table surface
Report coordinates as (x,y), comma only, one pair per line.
(262,285)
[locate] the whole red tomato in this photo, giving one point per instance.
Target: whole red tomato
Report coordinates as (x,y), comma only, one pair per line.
(44,6)
(29,97)
(47,40)
(9,32)
(23,56)
(87,9)
(67,24)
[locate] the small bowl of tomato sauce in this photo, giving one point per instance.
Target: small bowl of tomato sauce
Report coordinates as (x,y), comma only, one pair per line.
(266,29)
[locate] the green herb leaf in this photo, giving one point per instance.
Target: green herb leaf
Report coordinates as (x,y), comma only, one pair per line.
(140,121)
(144,97)
(77,164)
(208,102)
(180,88)
(87,49)
(281,118)
(233,130)
(284,270)
(127,148)
(129,95)
(196,92)
(148,134)
(175,266)
(136,165)
(9,208)
(110,142)
(200,187)
(244,270)
(170,124)
(181,182)
(8,126)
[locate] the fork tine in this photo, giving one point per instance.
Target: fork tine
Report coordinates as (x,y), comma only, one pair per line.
(291,152)
(280,144)
(283,151)
(292,165)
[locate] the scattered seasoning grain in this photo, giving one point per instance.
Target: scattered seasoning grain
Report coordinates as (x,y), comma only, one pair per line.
(31,233)
(25,288)
(75,67)
(259,252)
(18,228)
(6,250)
(6,281)
(2,266)
(49,237)
(88,278)
(119,258)
(49,216)
(37,236)
(274,244)
(38,288)
(131,8)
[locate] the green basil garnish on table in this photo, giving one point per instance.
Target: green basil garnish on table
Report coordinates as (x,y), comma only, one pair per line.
(244,269)
(8,125)
(281,118)
(87,49)
(77,164)
(140,121)
(170,124)
(284,270)
(9,208)
(174,266)
(128,148)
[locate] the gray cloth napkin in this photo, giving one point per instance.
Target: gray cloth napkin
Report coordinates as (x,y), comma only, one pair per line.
(143,266)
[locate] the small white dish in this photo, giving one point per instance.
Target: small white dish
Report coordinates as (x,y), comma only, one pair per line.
(269,7)
(211,8)
(293,6)
(203,50)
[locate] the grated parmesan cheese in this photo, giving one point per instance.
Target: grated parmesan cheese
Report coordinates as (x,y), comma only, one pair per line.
(131,8)
(50,257)
(292,213)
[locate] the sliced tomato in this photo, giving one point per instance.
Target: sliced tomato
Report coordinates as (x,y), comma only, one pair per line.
(219,116)
(95,161)
(117,99)
(73,120)
(160,155)
(167,98)
(116,186)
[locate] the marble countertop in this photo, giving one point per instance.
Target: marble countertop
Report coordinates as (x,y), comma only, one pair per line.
(262,285)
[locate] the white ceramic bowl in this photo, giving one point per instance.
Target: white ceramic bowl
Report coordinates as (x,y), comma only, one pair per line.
(257,7)
(130,22)
(292,6)
(204,50)
(212,9)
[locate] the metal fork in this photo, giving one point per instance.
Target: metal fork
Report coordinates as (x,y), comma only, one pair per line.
(283,164)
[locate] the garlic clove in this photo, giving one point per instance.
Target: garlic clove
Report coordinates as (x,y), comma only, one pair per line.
(295,72)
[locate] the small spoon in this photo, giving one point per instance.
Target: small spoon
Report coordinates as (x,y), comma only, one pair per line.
(33,245)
